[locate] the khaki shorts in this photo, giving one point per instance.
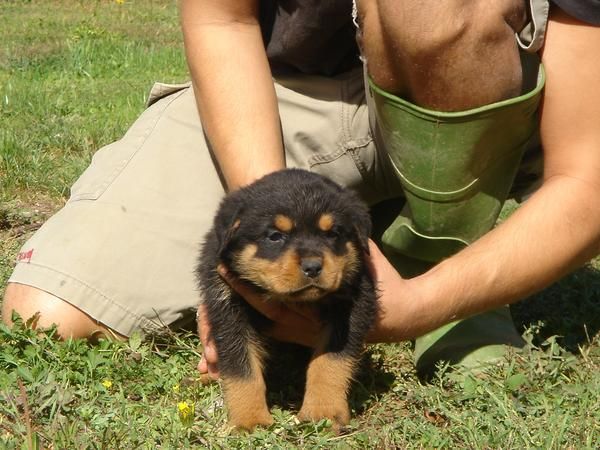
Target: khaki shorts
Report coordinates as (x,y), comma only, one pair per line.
(124,247)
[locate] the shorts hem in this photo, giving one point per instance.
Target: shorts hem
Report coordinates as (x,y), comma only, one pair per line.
(91,302)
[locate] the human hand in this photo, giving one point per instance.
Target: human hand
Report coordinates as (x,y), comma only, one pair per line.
(396,298)
(400,315)
(298,323)
(208,362)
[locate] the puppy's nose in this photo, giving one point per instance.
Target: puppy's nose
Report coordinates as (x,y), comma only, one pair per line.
(311,267)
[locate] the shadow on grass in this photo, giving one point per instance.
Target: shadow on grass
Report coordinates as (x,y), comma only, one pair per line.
(569,309)
(286,376)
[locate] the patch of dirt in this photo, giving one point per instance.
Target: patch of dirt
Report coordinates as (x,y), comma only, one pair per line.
(19,217)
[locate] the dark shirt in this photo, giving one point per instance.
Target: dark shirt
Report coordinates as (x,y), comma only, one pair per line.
(310,36)
(584,10)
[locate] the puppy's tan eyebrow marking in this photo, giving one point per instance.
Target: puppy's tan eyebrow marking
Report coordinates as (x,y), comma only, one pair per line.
(283,223)
(325,222)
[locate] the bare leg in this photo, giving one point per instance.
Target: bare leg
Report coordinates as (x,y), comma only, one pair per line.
(72,323)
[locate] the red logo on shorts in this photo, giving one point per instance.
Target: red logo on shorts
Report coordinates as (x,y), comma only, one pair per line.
(25,256)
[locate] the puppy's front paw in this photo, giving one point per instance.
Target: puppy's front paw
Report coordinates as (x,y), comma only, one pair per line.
(335,410)
(250,420)
(246,403)
(327,382)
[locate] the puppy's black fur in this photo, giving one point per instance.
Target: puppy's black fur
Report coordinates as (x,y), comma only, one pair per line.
(297,238)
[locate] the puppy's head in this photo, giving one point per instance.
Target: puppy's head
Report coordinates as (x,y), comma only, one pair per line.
(294,234)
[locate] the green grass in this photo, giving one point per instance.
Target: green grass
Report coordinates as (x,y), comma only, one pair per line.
(73,76)
(125,395)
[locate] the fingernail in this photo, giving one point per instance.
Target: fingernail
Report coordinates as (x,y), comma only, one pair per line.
(210,354)
(222,270)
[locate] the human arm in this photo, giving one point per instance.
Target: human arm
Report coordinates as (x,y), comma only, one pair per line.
(233,86)
(235,97)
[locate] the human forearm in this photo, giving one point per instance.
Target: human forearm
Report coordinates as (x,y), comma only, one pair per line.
(234,89)
(549,236)
(554,232)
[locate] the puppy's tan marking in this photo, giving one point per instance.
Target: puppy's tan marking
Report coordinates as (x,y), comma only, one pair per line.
(338,267)
(325,222)
(351,259)
(246,397)
(283,223)
(327,382)
(284,276)
(279,276)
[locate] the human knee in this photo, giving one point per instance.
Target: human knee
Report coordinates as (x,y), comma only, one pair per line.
(435,27)
(433,53)
(47,310)
(41,308)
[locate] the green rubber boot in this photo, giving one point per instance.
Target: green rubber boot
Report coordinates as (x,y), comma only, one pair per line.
(456,170)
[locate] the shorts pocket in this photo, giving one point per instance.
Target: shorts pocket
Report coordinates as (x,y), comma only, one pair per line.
(162,90)
(108,162)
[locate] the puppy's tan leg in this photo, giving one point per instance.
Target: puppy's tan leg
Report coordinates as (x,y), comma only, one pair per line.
(245,397)
(327,382)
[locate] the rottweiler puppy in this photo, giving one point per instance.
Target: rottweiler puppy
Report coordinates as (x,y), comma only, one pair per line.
(298,238)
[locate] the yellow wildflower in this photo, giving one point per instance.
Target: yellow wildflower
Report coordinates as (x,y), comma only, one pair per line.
(107,384)
(186,413)
(120,2)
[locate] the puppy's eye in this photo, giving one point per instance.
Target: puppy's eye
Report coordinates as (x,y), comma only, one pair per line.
(276,236)
(334,233)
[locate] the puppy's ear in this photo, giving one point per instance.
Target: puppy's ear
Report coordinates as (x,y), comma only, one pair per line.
(226,224)
(228,234)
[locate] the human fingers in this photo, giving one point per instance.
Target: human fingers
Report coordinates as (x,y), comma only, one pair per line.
(295,323)
(307,333)
(275,311)
(208,361)
(398,302)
